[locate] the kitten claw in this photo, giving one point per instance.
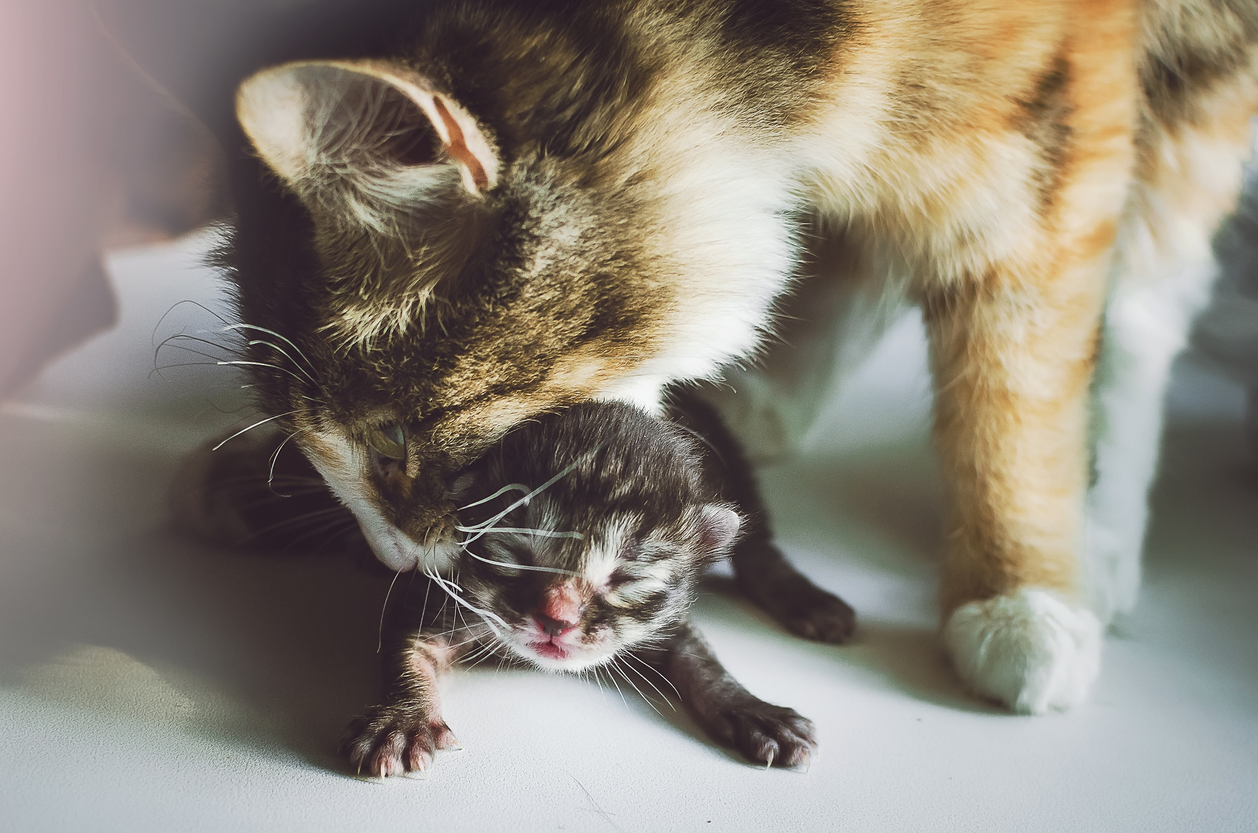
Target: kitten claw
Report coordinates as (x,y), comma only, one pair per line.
(394,740)
(766,734)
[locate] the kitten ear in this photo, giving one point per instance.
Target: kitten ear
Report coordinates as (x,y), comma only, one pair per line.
(718,527)
(369,125)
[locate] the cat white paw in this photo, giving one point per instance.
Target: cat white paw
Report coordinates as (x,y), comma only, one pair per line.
(1030,650)
(1113,566)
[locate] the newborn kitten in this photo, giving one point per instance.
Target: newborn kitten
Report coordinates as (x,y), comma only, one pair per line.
(584,535)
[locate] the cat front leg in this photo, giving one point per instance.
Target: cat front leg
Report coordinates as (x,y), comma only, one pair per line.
(404,732)
(1012,373)
(731,715)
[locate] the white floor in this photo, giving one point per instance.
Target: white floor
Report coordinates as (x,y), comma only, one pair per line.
(151,683)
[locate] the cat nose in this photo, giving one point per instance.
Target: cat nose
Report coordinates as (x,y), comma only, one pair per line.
(552,627)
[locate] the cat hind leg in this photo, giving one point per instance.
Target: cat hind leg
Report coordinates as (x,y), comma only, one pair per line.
(1145,327)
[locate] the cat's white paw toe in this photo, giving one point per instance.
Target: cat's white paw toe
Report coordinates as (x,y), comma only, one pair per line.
(1030,650)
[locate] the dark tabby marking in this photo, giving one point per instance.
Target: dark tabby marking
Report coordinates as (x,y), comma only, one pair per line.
(585,534)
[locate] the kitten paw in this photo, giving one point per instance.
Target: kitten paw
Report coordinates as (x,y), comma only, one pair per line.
(765,734)
(800,606)
(393,741)
(815,614)
(1031,651)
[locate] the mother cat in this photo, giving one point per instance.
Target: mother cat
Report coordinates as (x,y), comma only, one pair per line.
(506,207)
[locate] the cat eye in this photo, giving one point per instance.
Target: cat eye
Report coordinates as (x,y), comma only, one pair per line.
(388,441)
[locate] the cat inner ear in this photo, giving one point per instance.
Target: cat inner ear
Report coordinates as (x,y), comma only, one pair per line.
(377,131)
(718,528)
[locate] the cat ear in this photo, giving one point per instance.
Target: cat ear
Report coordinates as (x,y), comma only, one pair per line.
(718,527)
(367,125)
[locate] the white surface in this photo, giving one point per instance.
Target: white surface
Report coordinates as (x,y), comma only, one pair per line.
(151,683)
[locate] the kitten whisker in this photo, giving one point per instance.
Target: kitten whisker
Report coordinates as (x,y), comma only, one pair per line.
(158,370)
(303,518)
(613,664)
(650,667)
(305,372)
(628,667)
(612,680)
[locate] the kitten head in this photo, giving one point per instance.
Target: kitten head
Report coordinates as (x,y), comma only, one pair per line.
(585,534)
(496,222)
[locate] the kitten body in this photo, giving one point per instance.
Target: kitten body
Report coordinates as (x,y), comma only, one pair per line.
(585,533)
(506,209)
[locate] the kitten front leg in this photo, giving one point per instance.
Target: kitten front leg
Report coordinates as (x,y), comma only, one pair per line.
(730,714)
(403,733)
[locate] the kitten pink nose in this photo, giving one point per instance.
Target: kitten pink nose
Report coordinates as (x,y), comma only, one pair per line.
(552,627)
(560,610)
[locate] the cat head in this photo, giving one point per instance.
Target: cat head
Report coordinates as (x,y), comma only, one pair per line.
(430,249)
(585,532)
(425,294)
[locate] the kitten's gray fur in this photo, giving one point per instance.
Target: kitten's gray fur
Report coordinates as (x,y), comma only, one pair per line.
(585,533)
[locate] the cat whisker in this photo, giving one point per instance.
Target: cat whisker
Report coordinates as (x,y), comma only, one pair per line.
(275,456)
(327,530)
(304,371)
(383,608)
(173,342)
(285,339)
(158,370)
(423,613)
(612,680)
(305,517)
(244,363)
(452,590)
(489,650)
(516,486)
(526,567)
(541,533)
(594,673)
(530,495)
(251,427)
(178,304)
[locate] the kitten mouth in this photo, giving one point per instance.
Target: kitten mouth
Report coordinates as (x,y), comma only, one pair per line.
(550,650)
